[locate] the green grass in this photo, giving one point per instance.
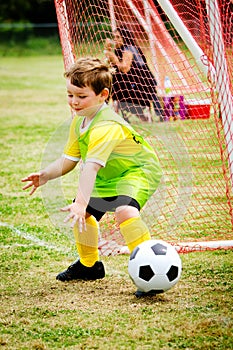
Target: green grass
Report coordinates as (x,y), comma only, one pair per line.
(29,46)
(39,313)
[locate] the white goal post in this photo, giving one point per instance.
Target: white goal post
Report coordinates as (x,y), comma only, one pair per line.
(218,74)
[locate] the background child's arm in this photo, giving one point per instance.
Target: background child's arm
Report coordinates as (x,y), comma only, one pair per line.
(125,64)
(56,169)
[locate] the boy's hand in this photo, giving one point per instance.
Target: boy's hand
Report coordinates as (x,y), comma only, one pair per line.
(36,180)
(77,215)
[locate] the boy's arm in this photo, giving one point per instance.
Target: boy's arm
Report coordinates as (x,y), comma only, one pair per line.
(86,183)
(56,169)
(60,167)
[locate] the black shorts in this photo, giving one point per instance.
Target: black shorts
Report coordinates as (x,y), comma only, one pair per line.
(99,206)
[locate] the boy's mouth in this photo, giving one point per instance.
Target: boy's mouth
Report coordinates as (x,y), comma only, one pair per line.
(89,111)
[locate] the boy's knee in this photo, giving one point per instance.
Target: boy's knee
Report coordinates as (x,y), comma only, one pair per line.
(125,212)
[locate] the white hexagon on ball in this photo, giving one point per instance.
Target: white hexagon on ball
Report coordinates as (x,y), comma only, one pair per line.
(154,265)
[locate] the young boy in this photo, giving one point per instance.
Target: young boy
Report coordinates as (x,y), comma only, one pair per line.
(119,170)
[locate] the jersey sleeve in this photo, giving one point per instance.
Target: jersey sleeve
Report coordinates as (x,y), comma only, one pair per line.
(104,138)
(72,150)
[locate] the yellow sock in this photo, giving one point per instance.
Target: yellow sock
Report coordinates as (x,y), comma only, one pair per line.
(87,242)
(134,231)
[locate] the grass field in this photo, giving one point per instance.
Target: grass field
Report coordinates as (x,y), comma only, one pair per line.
(39,313)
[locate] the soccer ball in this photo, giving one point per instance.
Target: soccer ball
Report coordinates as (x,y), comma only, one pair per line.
(154,265)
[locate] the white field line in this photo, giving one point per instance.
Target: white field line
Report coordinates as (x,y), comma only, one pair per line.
(35,241)
(192,246)
(39,242)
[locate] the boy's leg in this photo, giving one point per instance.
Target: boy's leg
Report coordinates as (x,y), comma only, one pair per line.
(87,242)
(134,231)
(88,267)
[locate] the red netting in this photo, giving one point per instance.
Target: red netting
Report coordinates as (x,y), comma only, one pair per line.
(191,43)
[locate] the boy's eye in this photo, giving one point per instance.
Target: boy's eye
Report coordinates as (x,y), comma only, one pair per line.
(69,95)
(82,97)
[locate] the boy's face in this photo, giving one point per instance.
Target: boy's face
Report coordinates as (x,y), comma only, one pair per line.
(84,101)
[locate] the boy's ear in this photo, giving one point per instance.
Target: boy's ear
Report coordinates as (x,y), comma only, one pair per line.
(105,93)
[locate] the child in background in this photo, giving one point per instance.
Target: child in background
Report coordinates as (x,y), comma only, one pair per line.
(119,169)
(134,85)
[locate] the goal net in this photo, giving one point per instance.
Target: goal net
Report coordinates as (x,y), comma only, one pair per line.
(190,45)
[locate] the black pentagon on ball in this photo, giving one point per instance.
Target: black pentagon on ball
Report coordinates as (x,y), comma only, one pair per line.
(134,253)
(146,273)
(172,274)
(159,249)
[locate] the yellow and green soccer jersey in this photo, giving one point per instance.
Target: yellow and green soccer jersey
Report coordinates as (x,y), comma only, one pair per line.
(129,165)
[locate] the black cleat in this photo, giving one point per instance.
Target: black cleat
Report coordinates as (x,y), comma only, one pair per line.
(77,271)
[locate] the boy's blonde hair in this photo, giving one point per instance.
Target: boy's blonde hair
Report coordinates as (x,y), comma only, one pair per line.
(91,72)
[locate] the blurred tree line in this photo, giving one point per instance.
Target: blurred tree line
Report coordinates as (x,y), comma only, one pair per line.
(21,20)
(36,11)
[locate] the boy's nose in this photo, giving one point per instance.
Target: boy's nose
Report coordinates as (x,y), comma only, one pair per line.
(75,101)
